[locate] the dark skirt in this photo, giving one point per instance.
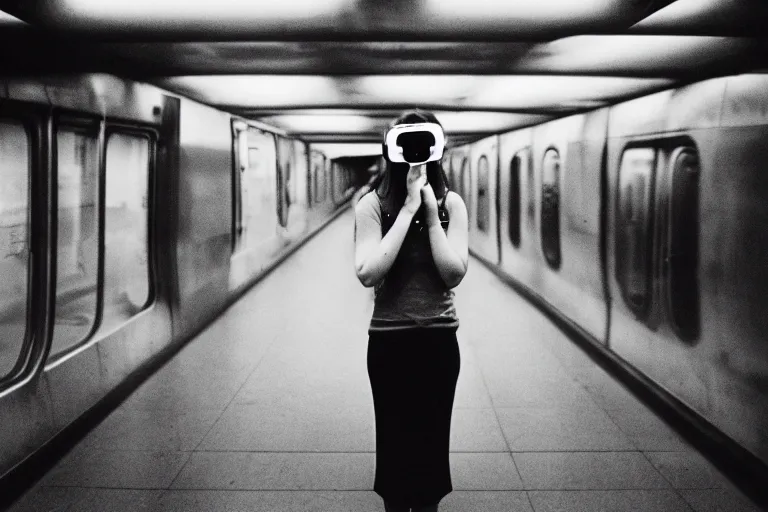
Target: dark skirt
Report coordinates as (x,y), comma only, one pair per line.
(413,376)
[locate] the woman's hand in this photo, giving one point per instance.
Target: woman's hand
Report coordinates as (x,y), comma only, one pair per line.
(430,205)
(417,178)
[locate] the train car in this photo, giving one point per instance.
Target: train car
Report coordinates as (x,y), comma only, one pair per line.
(689,283)
(566,157)
(600,221)
(516,195)
(130,217)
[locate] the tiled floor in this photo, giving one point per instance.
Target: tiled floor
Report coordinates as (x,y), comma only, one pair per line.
(270,409)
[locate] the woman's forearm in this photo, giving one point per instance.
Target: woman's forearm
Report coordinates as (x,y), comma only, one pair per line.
(380,259)
(450,265)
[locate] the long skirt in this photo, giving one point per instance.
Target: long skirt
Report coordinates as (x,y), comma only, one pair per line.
(413,376)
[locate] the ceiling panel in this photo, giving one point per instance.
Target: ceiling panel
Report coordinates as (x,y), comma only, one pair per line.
(613,55)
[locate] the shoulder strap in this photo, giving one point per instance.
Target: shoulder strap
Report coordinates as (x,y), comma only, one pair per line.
(445,196)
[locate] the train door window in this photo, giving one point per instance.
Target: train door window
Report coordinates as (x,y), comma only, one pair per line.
(281,191)
(683,289)
(126,241)
(550,207)
(315,182)
(77,253)
(257,194)
(531,187)
(323,181)
(240,164)
(517,166)
(249,191)
(483,198)
(14,242)
(464,178)
(285,202)
(633,226)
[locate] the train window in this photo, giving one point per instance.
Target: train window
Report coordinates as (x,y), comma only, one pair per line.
(517,166)
(531,184)
(14,241)
(288,193)
(323,180)
(316,182)
(683,244)
(126,238)
(464,178)
(256,191)
(633,226)
(77,253)
(483,197)
(241,156)
(550,207)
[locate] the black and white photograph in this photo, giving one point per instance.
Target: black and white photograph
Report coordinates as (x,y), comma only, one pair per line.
(383,255)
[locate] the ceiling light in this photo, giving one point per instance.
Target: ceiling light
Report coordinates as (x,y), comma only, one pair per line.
(336,150)
(324,124)
(200,10)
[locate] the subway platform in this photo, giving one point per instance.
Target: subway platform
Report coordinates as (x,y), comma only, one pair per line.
(270,409)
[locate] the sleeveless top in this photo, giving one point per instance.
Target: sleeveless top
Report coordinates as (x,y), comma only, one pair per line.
(413,294)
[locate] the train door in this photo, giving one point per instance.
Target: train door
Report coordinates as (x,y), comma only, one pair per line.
(516,193)
(484,158)
(460,175)
(567,157)
(255,186)
(285,163)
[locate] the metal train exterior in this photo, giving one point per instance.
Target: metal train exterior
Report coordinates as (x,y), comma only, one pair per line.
(644,224)
(129,218)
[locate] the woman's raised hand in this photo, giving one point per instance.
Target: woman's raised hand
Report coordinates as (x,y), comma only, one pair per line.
(417,178)
(430,205)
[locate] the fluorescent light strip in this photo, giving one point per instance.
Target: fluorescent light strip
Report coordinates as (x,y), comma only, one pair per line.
(201,10)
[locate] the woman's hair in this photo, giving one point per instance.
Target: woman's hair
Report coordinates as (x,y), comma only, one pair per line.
(392,187)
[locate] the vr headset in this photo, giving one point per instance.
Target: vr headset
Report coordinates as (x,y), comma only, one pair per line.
(414,144)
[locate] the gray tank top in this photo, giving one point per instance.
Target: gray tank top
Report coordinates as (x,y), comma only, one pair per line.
(413,294)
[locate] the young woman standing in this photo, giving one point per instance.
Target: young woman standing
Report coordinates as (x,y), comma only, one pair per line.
(411,245)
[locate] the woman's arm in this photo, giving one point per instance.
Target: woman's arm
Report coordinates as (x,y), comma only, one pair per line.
(375,255)
(449,250)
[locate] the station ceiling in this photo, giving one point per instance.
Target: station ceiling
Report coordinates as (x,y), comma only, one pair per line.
(341,70)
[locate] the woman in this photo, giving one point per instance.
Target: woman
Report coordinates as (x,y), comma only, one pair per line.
(411,245)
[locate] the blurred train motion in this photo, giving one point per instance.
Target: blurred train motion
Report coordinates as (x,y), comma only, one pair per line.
(129,218)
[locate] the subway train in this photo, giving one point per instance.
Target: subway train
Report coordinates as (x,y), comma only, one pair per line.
(642,227)
(130,217)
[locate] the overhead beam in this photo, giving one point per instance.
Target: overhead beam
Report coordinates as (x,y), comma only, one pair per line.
(331,20)
(30,51)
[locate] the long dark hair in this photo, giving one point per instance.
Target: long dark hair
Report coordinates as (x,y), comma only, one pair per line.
(392,188)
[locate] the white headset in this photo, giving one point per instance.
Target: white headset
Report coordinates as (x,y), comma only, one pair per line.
(395,152)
